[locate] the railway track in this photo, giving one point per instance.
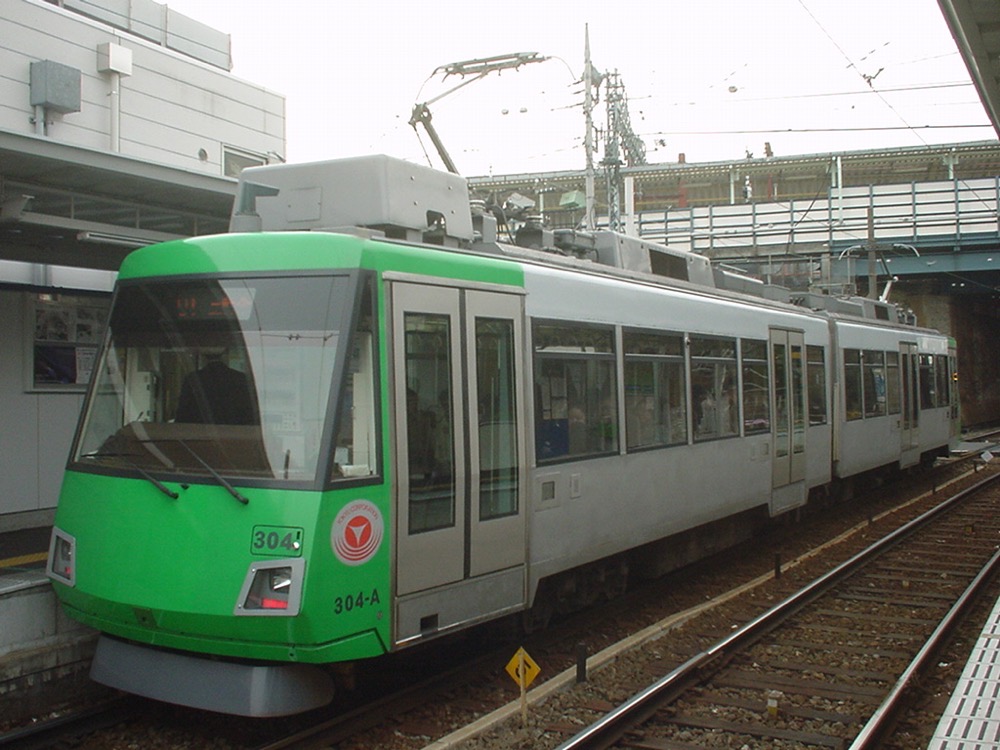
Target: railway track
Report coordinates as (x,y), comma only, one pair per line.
(71,728)
(830,665)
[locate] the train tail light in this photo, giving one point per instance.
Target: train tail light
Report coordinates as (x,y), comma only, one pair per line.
(61,564)
(272,588)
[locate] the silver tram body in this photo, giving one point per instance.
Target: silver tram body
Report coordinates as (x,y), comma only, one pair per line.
(530,422)
(587,508)
(628,326)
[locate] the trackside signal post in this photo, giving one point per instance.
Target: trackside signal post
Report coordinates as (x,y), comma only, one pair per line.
(523,670)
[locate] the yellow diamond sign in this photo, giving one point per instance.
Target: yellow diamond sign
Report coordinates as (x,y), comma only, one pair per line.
(522,668)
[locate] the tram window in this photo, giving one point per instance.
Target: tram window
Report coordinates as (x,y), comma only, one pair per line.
(952,388)
(796,358)
(356,446)
(816,376)
(943,381)
(852,384)
(927,384)
(782,402)
(714,388)
(655,391)
(429,420)
(874,383)
(892,397)
(149,410)
(576,406)
(496,412)
(756,388)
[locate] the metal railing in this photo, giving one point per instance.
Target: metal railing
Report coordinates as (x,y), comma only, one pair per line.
(922,214)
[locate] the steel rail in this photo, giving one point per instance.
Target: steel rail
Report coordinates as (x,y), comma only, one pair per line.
(67,729)
(610,728)
(881,722)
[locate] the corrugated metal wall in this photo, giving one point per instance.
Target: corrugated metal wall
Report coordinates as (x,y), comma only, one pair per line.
(175,109)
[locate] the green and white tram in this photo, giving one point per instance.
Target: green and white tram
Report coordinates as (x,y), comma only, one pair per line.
(323,444)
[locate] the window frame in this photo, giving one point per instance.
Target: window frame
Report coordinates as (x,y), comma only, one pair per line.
(726,396)
(853,385)
(661,362)
(943,381)
(578,438)
(364,283)
(319,478)
(926,381)
(893,384)
(760,360)
(816,383)
(874,378)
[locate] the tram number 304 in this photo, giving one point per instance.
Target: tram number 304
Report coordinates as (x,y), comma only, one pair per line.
(280,541)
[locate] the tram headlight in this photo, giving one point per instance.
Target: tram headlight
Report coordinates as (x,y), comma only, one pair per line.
(281,581)
(61,565)
(272,588)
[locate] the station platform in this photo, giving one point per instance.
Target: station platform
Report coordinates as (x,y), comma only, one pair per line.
(971,721)
(23,550)
(44,656)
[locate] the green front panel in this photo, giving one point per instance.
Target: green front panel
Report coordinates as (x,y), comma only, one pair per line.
(169,572)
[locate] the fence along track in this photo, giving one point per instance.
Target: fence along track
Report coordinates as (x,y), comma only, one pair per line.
(826,657)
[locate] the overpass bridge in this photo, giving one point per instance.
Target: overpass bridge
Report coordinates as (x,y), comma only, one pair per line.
(934,209)
(936,227)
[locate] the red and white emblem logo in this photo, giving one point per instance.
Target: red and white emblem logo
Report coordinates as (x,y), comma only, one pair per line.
(357,532)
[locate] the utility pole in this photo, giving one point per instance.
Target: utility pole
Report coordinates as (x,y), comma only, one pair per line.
(612,158)
(588,140)
(872,275)
(620,140)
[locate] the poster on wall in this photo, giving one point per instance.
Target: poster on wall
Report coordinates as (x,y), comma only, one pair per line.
(67,332)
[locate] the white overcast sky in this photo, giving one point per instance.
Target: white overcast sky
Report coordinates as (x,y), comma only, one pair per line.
(703,77)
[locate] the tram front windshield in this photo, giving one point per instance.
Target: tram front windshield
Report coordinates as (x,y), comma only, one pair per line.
(217,376)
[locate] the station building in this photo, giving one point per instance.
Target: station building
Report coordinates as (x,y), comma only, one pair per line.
(121,125)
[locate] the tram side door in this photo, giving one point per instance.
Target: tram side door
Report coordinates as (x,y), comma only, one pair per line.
(788,397)
(909,371)
(459,447)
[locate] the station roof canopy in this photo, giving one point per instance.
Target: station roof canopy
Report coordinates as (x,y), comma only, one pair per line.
(70,205)
(975,25)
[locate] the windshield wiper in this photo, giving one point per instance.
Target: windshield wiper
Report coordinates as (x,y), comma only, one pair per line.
(145,474)
(216,475)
